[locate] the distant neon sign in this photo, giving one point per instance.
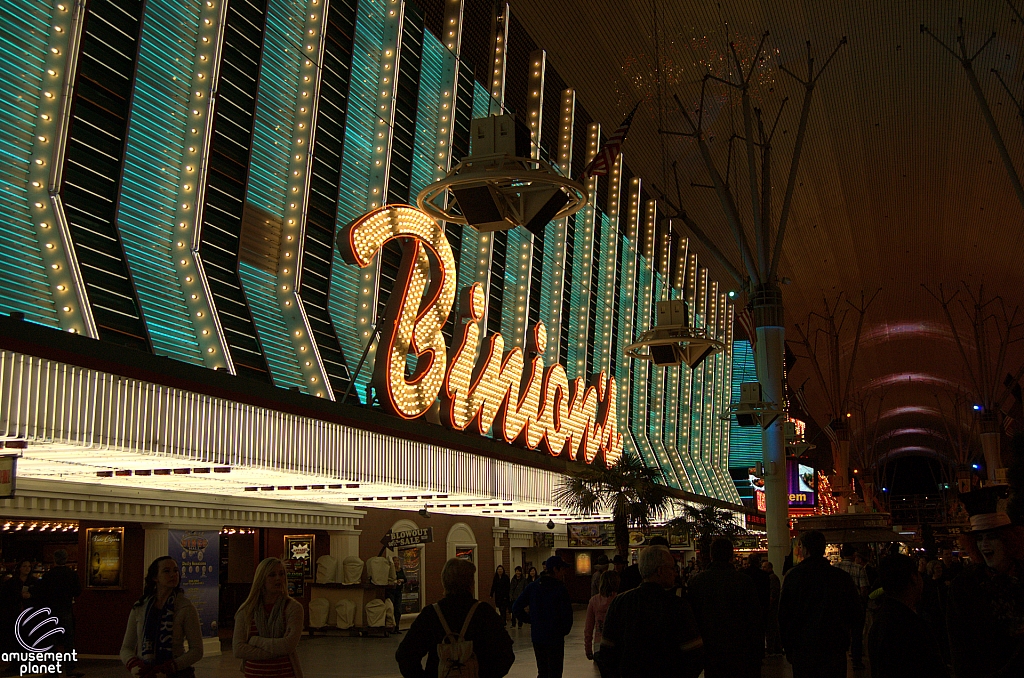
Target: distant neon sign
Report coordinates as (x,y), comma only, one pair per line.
(478,384)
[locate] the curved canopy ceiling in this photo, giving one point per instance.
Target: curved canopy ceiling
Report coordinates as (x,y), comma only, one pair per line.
(900,183)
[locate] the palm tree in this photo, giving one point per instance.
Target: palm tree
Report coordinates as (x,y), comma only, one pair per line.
(704,524)
(629,490)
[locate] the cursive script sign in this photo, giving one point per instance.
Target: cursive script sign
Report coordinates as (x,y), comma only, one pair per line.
(478,384)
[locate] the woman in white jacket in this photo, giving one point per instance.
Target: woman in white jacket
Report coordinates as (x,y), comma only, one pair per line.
(158,626)
(268,626)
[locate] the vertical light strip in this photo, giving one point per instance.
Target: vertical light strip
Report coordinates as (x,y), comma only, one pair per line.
(166,141)
(641,323)
(583,258)
(453,10)
(192,278)
(53,107)
(450,84)
(729,320)
(524,255)
(499,50)
(627,327)
(710,422)
(689,434)
(496,105)
(609,260)
(551,308)
(380,158)
(293,230)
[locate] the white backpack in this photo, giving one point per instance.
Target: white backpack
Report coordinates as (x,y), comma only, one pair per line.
(455,655)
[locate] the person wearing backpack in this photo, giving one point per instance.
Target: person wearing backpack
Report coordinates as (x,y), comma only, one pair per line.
(460,636)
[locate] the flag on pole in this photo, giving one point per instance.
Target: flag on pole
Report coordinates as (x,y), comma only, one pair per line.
(746,320)
(605,158)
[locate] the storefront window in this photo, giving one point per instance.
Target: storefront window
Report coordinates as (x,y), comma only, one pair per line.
(411,560)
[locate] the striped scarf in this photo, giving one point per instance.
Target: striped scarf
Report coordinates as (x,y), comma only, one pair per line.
(158,635)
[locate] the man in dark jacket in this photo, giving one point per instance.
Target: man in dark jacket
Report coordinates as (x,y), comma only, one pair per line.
(900,643)
(648,632)
(818,608)
(491,643)
(546,607)
(59,588)
(729,615)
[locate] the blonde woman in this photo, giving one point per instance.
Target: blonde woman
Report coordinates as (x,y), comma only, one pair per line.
(268,626)
(160,623)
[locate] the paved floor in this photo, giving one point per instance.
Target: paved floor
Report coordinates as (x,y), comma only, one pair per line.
(331,656)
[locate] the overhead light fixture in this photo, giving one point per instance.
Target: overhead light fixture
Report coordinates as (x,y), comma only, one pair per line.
(672,341)
(551,524)
(423,512)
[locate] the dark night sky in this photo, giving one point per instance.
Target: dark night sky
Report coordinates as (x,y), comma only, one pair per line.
(912,475)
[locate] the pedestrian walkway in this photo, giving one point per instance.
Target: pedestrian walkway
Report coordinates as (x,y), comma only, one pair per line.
(333,656)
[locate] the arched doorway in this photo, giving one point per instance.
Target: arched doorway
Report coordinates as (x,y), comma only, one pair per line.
(462,544)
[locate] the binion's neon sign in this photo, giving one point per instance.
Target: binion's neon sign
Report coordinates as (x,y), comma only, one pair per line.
(477,385)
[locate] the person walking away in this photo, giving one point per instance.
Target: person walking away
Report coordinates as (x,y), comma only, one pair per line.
(396,593)
(60,586)
(985,610)
(516,587)
(597,610)
(160,623)
(268,625)
(771,622)
(492,645)
(545,605)
(849,565)
(900,644)
(932,607)
(728,614)
(761,584)
(600,567)
(501,587)
(16,594)
(649,632)
(818,609)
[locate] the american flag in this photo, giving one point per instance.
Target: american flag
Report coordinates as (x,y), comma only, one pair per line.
(605,157)
(746,320)
(1008,425)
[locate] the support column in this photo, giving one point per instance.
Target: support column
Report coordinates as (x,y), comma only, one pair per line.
(841,479)
(157,544)
(344,543)
(990,444)
(771,341)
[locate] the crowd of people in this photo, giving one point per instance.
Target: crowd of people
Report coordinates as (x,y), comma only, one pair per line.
(913,617)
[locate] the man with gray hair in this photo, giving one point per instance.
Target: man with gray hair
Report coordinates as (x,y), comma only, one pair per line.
(649,631)
(491,643)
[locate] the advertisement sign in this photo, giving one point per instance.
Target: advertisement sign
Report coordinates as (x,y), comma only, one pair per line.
(544,539)
(424,535)
(296,574)
(197,553)
(300,549)
(592,535)
(802,483)
(104,556)
(8,475)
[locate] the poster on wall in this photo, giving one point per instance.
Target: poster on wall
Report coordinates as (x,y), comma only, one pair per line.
(299,547)
(296,574)
(591,535)
(198,555)
(105,556)
(410,560)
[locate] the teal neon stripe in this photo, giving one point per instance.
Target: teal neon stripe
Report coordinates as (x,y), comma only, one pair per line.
(425,160)
(153,168)
(642,369)
(517,239)
(354,191)
(272,143)
(260,292)
(666,459)
(24,30)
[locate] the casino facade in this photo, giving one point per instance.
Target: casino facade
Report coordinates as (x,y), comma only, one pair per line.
(219,320)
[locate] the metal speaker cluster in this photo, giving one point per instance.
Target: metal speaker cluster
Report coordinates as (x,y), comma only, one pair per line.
(751,410)
(498,187)
(673,342)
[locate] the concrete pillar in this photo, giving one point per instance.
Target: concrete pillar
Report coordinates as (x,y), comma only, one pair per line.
(770,357)
(841,482)
(156,544)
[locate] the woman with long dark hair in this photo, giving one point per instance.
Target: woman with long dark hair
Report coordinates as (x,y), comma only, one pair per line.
(268,625)
(158,626)
(15,595)
(500,588)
